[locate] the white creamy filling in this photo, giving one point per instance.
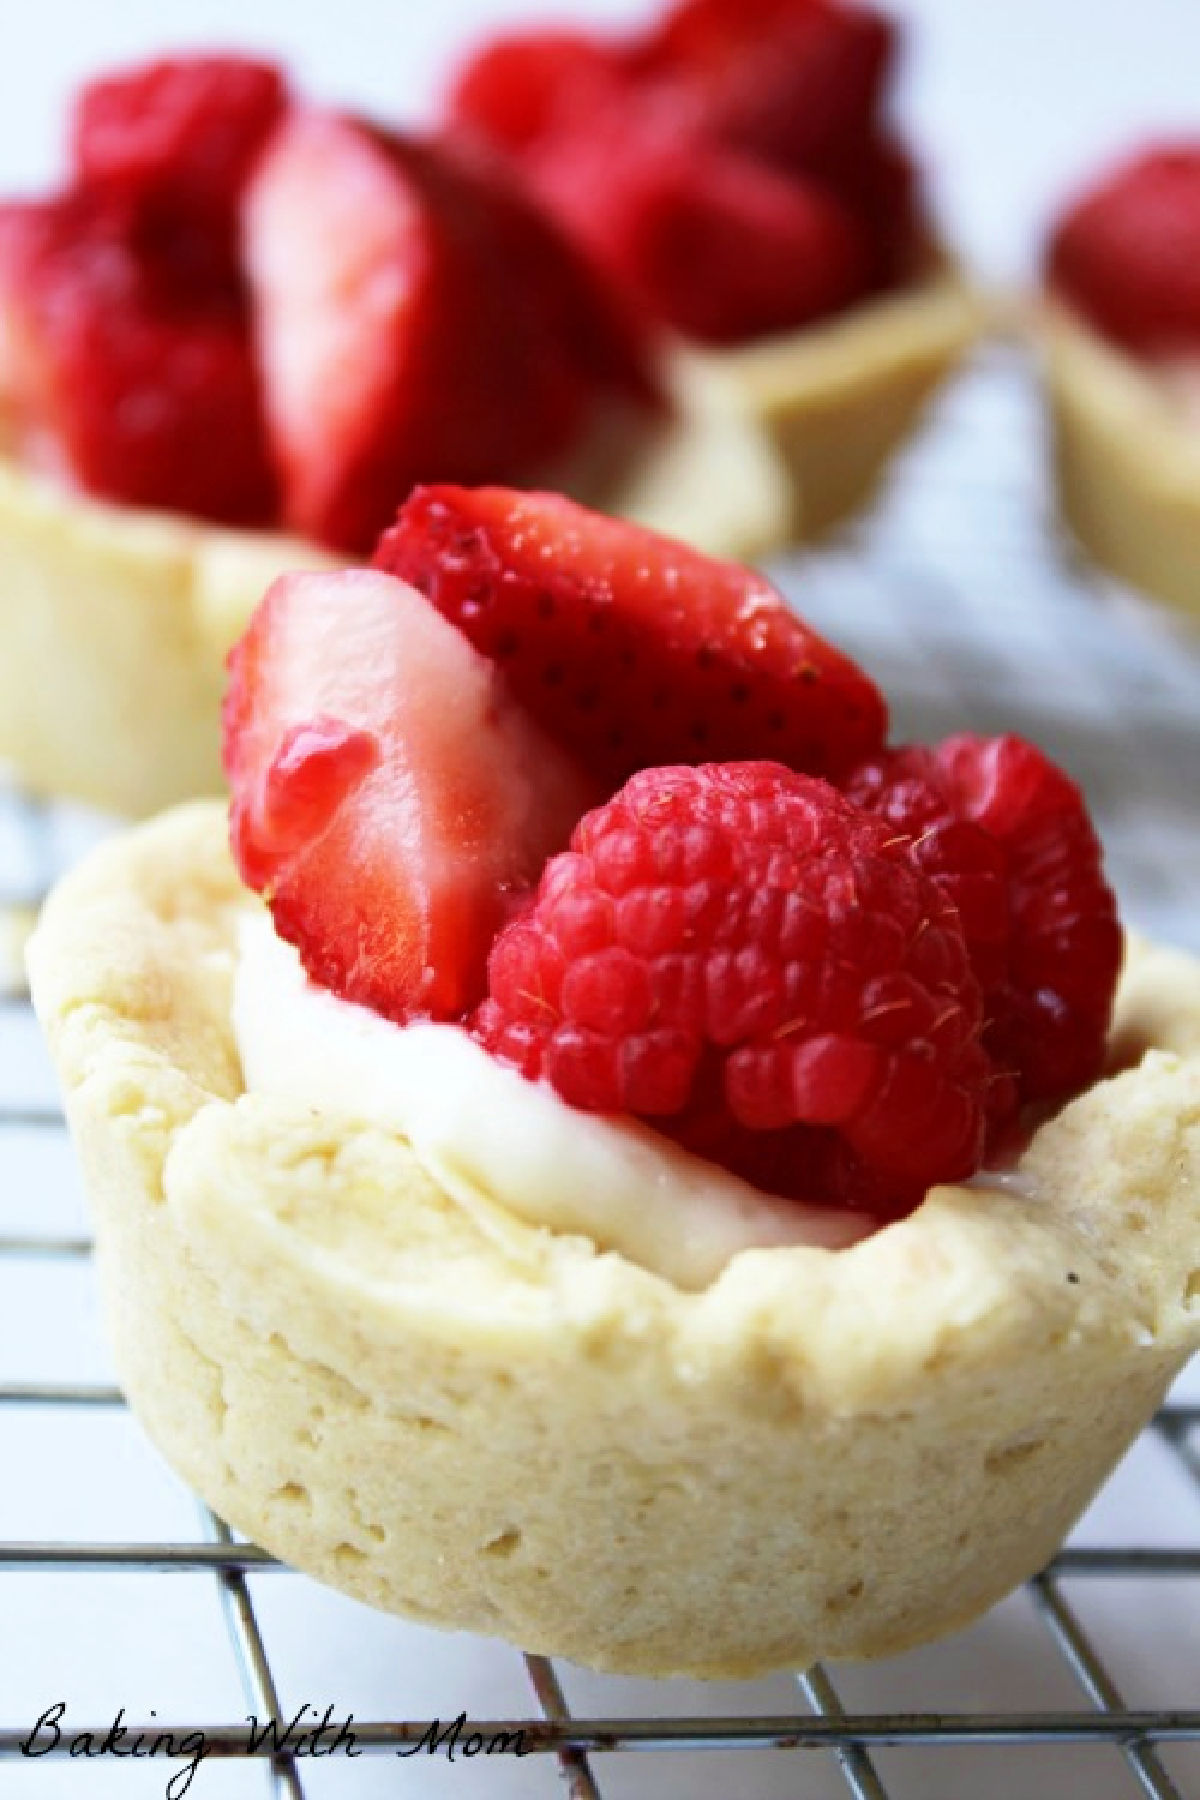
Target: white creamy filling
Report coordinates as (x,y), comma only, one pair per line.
(479,1128)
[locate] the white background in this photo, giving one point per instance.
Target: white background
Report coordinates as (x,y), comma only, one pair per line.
(1012,99)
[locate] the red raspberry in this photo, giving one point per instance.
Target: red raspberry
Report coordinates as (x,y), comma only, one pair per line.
(730,167)
(737,953)
(183,132)
(131,367)
(1006,835)
(1128,253)
(172,144)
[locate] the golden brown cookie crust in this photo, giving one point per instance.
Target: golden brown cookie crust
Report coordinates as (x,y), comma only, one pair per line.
(487,1426)
(1126,462)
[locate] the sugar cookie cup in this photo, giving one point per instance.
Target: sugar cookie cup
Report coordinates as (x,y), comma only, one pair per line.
(839,399)
(114,625)
(1126,460)
(483,1425)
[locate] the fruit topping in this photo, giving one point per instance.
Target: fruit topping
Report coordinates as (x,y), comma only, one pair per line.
(417,318)
(842,994)
(742,957)
(796,82)
(630,649)
(732,166)
(124,372)
(389,798)
(258,313)
(719,243)
(1127,254)
(530,85)
(178,137)
(1006,836)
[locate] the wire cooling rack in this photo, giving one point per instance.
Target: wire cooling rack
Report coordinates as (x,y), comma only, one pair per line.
(958,598)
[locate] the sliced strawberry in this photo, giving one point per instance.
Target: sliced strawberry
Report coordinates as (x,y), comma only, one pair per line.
(796,82)
(126,375)
(1128,253)
(183,132)
(879,183)
(389,799)
(562,319)
(520,88)
(718,245)
(704,34)
(417,318)
(729,167)
(629,649)
(173,143)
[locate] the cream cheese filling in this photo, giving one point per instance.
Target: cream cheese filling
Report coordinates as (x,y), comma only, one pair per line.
(482,1131)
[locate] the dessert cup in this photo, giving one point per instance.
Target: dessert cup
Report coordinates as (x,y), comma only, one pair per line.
(1126,461)
(840,398)
(453,1415)
(115,622)
(113,629)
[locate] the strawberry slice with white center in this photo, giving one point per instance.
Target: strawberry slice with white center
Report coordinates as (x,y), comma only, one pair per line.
(390,800)
(418,318)
(631,649)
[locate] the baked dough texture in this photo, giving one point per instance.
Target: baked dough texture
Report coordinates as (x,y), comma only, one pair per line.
(839,399)
(483,1425)
(1126,461)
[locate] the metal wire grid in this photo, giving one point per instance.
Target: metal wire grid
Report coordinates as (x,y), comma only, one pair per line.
(1149,699)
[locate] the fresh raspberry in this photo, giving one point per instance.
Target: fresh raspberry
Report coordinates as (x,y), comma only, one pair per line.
(173,143)
(182,133)
(739,955)
(1006,835)
(1127,254)
(129,372)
